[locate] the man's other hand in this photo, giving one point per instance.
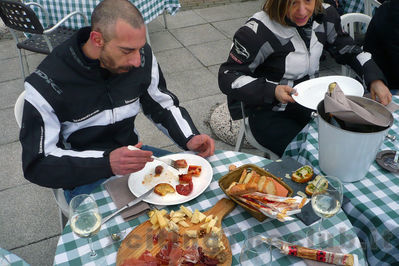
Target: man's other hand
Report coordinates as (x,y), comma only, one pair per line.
(378,89)
(202,144)
(124,161)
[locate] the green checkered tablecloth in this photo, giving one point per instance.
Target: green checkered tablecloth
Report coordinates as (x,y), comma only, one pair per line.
(374,201)
(353,6)
(237,225)
(58,9)
(13,259)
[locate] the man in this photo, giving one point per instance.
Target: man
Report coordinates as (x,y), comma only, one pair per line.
(382,41)
(82,100)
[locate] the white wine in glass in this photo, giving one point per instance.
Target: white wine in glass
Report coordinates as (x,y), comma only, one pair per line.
(85,219)
(326,202)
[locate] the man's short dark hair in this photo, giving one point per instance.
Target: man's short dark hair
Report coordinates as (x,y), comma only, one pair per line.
(108,12)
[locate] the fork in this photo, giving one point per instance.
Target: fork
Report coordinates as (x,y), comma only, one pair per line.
(167,161)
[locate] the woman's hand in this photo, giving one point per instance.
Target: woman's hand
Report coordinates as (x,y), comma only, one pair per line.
(378,89)
(283,93)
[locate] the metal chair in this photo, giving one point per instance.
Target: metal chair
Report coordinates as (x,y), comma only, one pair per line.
(58,193)
(348,22)
(18,16)
(245,130)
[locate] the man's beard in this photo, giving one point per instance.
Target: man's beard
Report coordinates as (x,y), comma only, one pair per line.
(108,63)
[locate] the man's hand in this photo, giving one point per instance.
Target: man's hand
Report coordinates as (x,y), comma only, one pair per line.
(283,93)
(378,88)
(124,161)
(202,144)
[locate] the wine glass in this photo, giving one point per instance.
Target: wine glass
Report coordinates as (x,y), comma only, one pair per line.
(326,202)
(256,251)
(85,220)
(4,261)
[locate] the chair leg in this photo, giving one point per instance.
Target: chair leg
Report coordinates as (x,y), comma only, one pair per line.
(240,136)
(164,19)
(26,62)
(22,64)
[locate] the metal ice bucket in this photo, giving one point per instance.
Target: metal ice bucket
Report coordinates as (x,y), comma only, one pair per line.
(349,154)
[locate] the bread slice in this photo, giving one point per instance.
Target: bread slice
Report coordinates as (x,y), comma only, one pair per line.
(261,182)
(269,188)
(248,177)
(240,189)
(164,188)
(243,175)
(302,174)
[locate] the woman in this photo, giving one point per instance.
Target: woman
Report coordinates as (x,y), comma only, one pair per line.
(278,48)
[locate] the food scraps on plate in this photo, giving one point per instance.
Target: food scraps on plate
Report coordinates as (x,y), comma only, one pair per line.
(185,186)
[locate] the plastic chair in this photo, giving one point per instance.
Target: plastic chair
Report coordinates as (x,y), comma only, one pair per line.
(369,6)
(348,25)
(58,193)
(18,16)
(245,130)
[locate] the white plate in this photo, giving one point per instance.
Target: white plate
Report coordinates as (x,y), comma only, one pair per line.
(312,91)
(200,183)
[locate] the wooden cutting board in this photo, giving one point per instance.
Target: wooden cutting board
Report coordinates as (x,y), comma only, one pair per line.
(141,237)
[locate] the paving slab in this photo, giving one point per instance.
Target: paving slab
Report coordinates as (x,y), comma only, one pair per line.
(220,13)
(229,27)
(8,49)
(11,69)
(9,92)
(155,26)
(249,8)
(192,84)
(11,166)
(149,134)
(163,40)
(177,60)
(200,110)
(29,214)
(214,70)
(40,253)
(182,19)
(197,34)
(10,129)
(211,53)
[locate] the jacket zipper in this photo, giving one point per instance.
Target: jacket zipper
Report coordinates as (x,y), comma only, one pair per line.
(112,106)
(307,51)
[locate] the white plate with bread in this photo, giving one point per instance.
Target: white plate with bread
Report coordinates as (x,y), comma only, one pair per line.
(312,91)
(139,182)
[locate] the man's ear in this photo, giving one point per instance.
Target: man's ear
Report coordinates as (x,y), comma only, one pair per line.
(97,39)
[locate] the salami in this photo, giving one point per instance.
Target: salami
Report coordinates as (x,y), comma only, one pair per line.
(184,189)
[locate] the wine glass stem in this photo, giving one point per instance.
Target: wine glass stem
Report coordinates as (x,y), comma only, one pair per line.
(92,251)
(319,231)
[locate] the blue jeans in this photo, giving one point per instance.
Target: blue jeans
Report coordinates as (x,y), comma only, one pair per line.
(88,188)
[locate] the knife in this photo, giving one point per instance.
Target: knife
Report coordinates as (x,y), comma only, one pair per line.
(311,254)
(130,204)
(169,162)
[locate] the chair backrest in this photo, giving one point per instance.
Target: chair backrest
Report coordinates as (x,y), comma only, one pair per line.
(20,17)
(58,193)
(348,22)
(369,6)
(19,108)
